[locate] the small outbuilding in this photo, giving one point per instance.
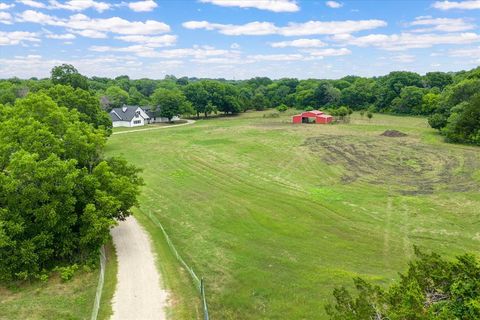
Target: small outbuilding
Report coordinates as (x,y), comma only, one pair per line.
(317,116)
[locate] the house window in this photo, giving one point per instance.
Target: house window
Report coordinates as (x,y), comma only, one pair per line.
(137,122)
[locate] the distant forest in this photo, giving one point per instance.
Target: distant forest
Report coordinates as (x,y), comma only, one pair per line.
(450,100)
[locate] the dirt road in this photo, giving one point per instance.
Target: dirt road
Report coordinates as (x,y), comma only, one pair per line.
(138,294)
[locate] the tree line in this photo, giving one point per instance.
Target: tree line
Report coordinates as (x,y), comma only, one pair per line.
(449,99)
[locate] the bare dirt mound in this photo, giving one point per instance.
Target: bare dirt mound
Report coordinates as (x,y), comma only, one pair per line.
(393,133)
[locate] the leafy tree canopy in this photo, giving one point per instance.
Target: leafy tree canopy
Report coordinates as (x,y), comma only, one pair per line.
(58,196)
(432,288)
(67,74)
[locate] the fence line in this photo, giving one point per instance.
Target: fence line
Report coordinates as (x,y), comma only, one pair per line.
(199,282)
(101,279)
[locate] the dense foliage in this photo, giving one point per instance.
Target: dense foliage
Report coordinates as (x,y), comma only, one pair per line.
(432,288)
(447,98)
(58,195)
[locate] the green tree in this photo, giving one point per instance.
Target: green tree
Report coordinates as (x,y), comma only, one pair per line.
(116,96)
(438,80)
(170,103)
(390,86)
(197,95)
(326,95)
(135,98)
(259,102)
(430,103)
(58,196)
(66,74)
(463,125)
(84,102)
(409,101)
(432,288)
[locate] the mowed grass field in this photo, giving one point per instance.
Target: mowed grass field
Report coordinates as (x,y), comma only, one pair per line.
(275,215)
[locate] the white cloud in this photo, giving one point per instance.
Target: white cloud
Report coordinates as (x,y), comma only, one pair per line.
(404,41)
(79,5)
(330,27)
(150,41)
(66,36)
(403,58)
(468,52)
(17,37)
(334,4)
(299,43)
(465,5)
(5,18)
(442,24)
(271,5)
(197,52)
(89,33)
(235,46)
(292,29)
(276,57)
(330,52)
(142,6)
(39,17)
(32,3)
(111,66)
(96,28)
(6,6)
(253,28)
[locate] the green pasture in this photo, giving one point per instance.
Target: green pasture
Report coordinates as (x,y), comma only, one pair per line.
(275,215)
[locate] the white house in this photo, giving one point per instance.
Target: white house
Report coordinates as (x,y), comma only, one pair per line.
(134,116)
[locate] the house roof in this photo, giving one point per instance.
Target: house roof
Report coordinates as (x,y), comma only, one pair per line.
(125,113)
(152,114)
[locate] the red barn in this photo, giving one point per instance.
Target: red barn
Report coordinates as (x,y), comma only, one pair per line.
(319,117)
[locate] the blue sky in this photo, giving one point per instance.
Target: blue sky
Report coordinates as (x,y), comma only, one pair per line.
(238,39)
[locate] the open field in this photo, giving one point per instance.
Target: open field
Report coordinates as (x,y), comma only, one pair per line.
(275,215)
(56,299)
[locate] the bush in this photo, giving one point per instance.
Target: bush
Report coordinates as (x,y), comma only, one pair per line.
(369,115)
(66,273)
(308,109)
(437,121)
(282,108)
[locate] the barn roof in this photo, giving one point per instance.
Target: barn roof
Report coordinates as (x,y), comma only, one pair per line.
(315,112)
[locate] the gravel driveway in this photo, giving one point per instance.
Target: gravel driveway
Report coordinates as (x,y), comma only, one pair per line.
(138,294)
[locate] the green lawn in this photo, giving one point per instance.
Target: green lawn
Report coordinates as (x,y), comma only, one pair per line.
(275,215)
(56,299)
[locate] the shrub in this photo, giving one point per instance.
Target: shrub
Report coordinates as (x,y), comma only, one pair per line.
(66,273)
(282,108)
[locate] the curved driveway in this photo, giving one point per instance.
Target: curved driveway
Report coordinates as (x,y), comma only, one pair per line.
(157,128)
